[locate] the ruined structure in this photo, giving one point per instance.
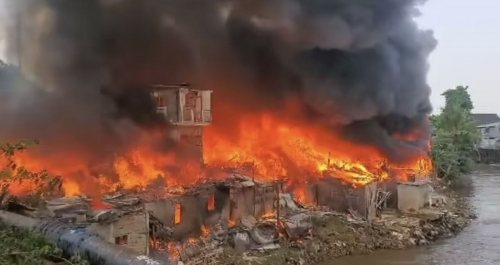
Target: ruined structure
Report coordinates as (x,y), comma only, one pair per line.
(130,230)
(188,109)
(140,220)
(307,88)
(343,197)
(413,196)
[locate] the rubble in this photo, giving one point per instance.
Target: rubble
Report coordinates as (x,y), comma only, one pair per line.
(241,242)
(67,205)
(264,234)
(108,216)
(196,225)
(298,225)
(248,221)
(287,202)
(315,235)
(437,200)
(269,246)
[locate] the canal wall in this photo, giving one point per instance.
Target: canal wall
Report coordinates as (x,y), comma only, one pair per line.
(488,156)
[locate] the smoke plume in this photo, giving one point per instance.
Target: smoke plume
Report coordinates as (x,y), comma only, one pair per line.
(356,66)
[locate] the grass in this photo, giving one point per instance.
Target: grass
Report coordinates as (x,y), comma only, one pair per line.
(27,247)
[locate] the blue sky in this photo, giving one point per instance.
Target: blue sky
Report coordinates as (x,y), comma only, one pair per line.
(468,52)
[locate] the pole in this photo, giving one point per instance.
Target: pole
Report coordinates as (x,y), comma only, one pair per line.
(277,194)
(254,188)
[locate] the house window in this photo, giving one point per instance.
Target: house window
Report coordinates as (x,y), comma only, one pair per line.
(211,202)
(190,99)
(121,240)
(178,213)
(160,102)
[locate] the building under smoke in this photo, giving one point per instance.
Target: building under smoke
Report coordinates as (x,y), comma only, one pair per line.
(353,69)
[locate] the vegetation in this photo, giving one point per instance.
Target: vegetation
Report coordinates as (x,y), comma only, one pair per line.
(20,246)
(11,173)
(455,135)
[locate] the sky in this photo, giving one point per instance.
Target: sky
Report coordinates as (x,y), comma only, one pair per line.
(468,51)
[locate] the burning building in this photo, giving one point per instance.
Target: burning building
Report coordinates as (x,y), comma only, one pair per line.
(326,97)
(187,109)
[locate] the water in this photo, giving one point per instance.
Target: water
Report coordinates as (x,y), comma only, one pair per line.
(478,244)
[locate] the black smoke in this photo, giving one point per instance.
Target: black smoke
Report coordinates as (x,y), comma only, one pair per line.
(358,66)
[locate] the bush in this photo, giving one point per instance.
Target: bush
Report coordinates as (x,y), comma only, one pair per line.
(28,247)
(20,246)
(455,135)
(12,173)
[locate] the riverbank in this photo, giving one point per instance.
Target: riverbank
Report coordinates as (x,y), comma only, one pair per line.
(336,235)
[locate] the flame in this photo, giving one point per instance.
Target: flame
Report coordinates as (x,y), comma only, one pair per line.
(192,241)
(300,152)
(205,232)
(301,195)
(178,213)
(171,248)
(268,215)
(266,146)
(211,202)
(98,204)
(173,251)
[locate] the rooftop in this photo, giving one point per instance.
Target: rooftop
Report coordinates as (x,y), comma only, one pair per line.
(485,118)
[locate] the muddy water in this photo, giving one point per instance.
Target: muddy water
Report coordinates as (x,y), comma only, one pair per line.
(478,244)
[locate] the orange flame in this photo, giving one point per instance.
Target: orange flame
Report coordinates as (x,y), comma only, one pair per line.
(205,232)
(178,213)
(266,146)
(211,202)
(171,248)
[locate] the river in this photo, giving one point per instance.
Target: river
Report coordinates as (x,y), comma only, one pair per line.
(478,244)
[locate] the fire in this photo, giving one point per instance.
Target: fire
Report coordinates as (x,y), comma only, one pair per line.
(211,202)
(205,232)
(178,213)
(71,188)
(298,151)
(136,169)
(171,248)
(192,241)
(98,204)
(173,251)
(265,146)
(268,215)
(301,196)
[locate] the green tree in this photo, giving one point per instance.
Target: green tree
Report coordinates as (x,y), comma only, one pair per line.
(458,97)
(11,172)
(20,246)
(454,136)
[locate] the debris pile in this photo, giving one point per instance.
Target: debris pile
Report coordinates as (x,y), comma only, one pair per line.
(221,221)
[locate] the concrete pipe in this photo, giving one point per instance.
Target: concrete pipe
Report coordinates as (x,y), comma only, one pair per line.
(78,241)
